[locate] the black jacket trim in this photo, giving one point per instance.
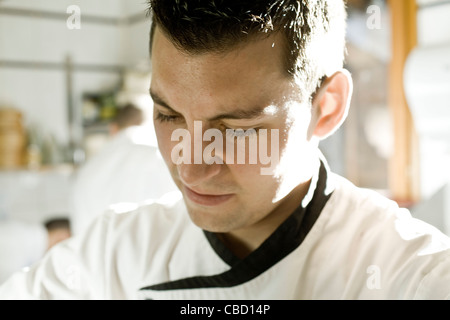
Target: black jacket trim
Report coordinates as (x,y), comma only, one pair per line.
(281,243)
(221,250)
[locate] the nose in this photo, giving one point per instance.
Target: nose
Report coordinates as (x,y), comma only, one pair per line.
(200,169)
(193,175)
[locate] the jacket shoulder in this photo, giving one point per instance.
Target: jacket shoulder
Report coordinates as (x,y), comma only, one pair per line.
(412,256)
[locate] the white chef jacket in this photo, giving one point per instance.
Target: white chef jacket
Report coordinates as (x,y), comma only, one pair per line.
(345,243)
(129,168)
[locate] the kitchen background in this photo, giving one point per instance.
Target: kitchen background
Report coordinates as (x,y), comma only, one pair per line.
(63,76)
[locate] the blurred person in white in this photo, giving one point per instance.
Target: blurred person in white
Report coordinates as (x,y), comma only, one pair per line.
(128,169)
(298,231)
(24,243)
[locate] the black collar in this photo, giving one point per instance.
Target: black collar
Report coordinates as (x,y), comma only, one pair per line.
(289,235)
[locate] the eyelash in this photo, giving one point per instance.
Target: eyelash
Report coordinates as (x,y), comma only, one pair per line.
(165,118)
(241,133)
(233,133)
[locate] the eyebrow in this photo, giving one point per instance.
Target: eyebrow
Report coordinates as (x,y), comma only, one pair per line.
(158,100)
(239,114)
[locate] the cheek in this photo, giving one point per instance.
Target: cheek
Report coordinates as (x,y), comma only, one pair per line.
(243,171)
(250,179)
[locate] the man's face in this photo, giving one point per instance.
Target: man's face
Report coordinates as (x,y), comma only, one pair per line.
(245,88)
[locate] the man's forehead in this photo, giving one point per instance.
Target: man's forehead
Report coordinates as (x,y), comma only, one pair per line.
(226,85)
(265,53)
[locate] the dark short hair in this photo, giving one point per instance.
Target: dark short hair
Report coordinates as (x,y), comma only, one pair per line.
(57,223)
(314,30)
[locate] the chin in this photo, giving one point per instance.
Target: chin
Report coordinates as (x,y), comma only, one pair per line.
(208,220)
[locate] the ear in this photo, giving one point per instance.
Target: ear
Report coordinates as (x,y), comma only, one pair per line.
(331,104)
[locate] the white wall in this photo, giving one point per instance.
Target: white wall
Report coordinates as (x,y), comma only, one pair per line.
(35,197)
(41,93)
(429,111)
(433,22)
(137,43)
(104,8)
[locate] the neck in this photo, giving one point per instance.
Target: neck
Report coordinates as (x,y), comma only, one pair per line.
(244,241)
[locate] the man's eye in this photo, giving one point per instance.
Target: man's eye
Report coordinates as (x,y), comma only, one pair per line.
(241,133)
(165,118)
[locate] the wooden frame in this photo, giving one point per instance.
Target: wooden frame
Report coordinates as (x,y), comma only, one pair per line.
(404,166)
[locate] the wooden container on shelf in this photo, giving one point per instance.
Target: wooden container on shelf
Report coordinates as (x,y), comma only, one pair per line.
(13,139)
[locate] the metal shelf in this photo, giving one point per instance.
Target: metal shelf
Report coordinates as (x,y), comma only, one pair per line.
(86,18)
(60,66)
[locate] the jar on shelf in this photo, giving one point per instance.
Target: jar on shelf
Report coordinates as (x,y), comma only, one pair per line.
(13,139)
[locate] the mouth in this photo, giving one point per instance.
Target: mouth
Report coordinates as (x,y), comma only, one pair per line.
(209,200)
